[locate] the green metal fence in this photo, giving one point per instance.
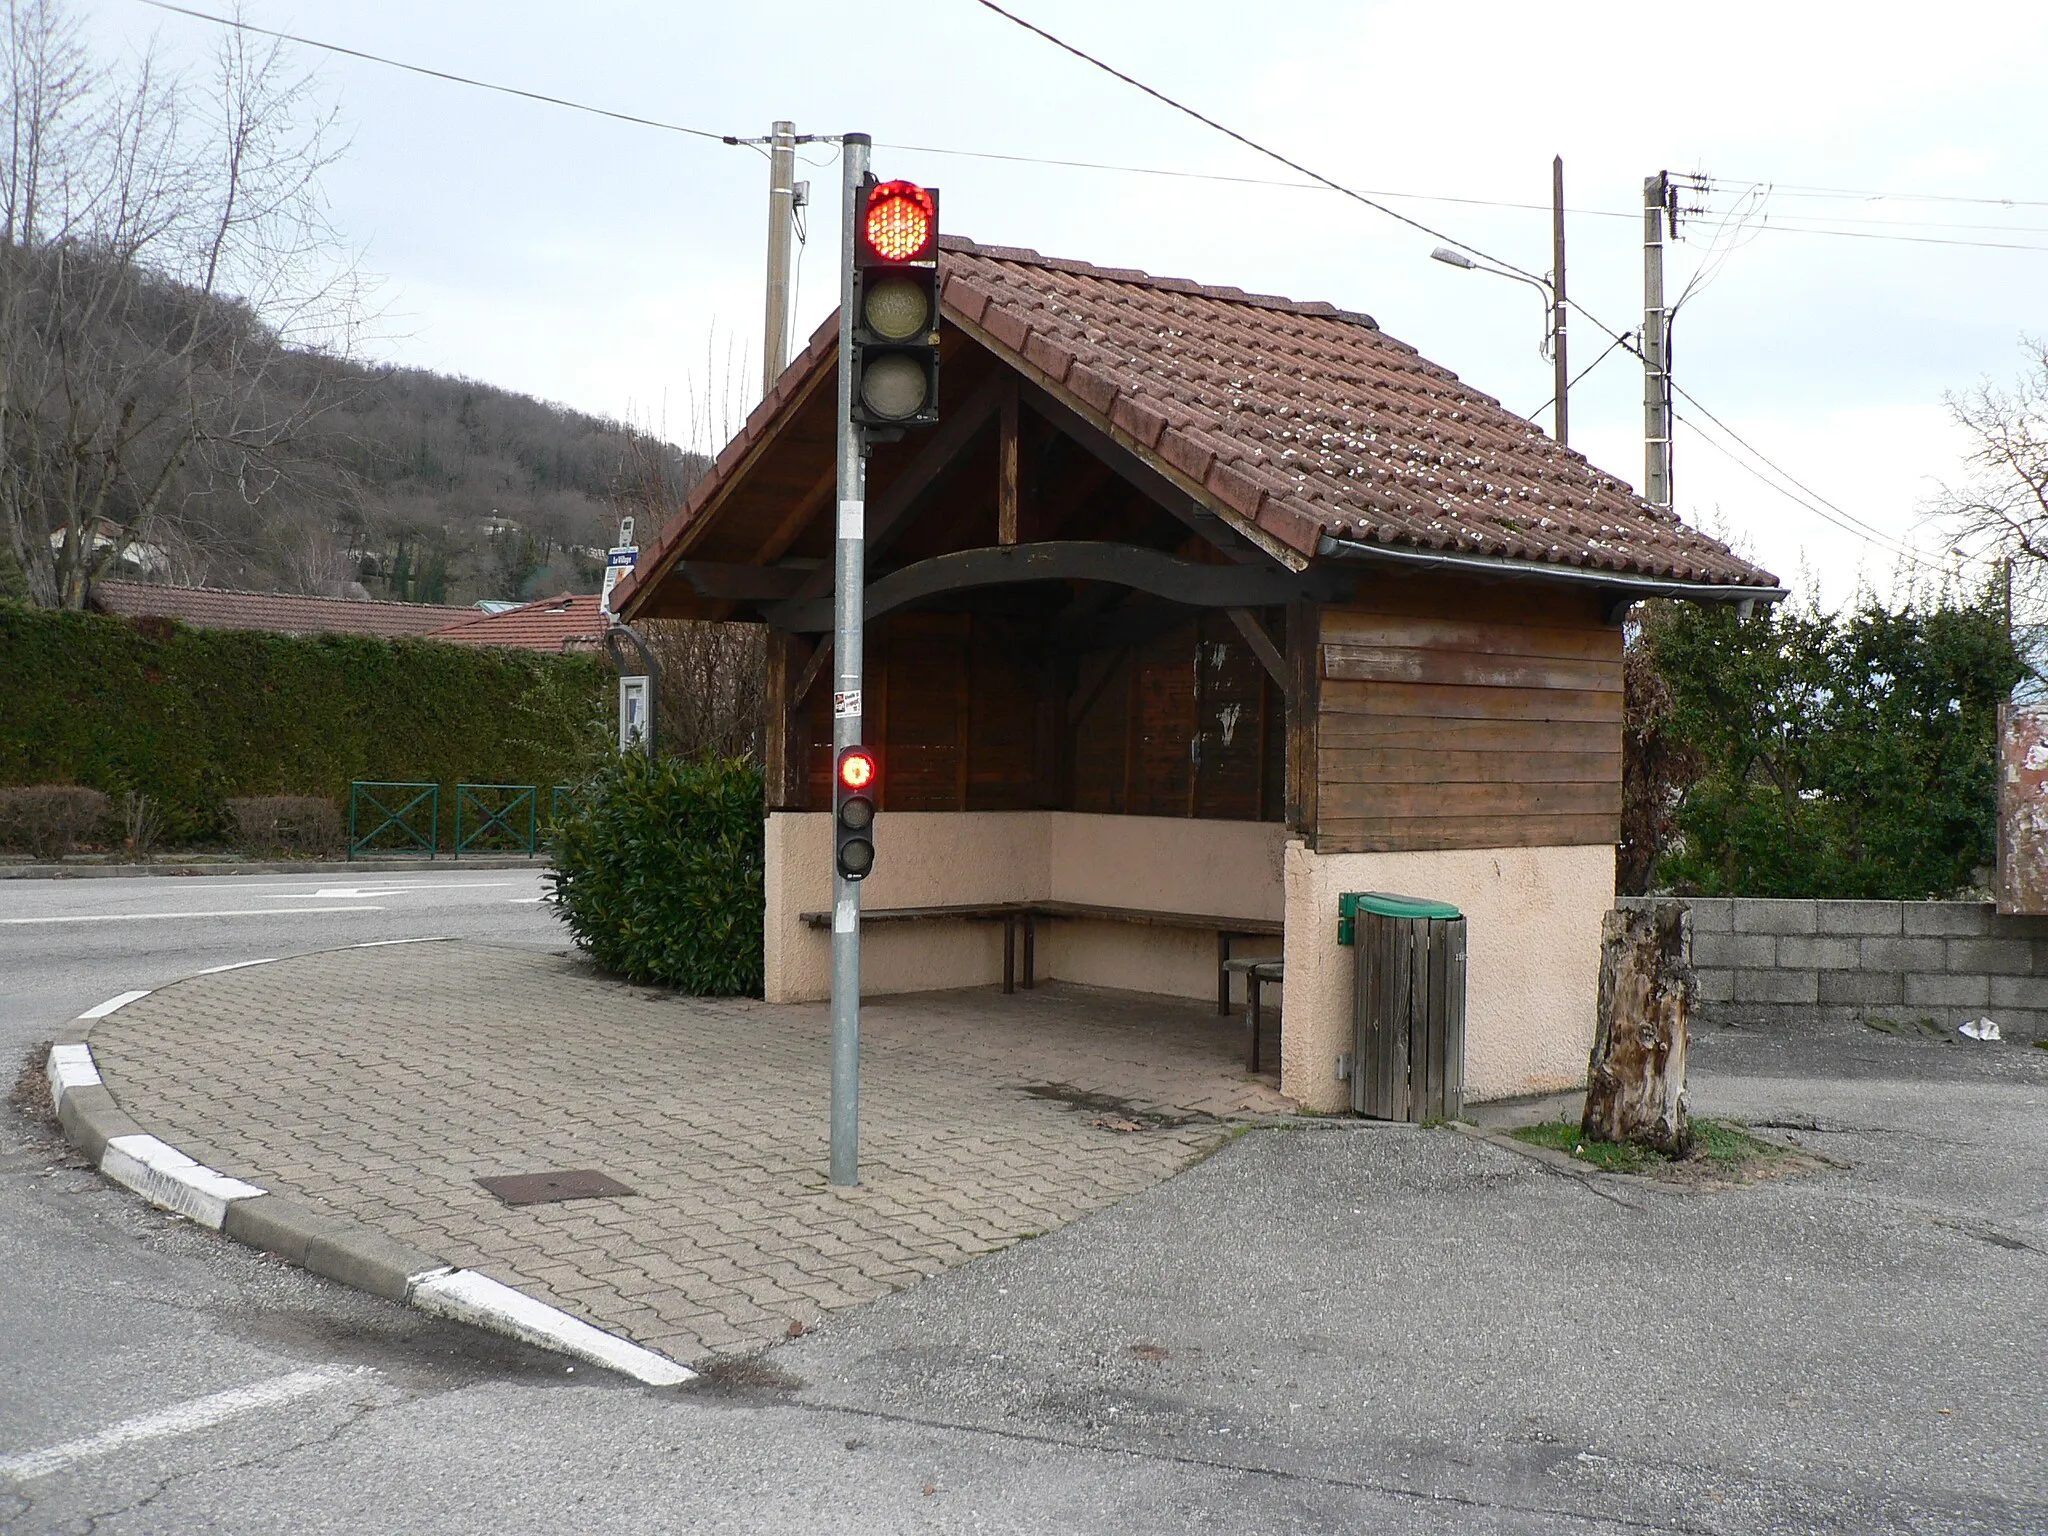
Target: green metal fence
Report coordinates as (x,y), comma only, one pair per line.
(394,809)
(561,798)
(496,818)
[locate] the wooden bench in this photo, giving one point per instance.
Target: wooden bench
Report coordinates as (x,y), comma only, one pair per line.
(1259,971)
(1024,916)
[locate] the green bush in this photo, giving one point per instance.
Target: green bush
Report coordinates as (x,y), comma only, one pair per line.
(1833,755)
(658,872)
(196,717)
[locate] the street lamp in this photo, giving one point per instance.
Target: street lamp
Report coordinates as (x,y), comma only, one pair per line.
(1552,347)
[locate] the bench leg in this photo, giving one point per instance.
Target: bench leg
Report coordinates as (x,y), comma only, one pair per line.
(1030,951)
(1251,1020)
(1009,955)
(1222,975)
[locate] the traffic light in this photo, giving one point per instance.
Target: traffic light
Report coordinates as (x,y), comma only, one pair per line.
(855,782)
(896,306)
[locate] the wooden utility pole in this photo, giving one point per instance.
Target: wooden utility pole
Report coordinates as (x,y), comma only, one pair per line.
(781,223)
(1635,1081)
(1561,373)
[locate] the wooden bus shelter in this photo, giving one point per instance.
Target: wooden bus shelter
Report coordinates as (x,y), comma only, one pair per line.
(1197,609)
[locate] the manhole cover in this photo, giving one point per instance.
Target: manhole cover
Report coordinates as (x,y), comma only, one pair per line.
(537,1188)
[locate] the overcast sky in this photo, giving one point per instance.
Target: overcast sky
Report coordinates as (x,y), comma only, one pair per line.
(619,268)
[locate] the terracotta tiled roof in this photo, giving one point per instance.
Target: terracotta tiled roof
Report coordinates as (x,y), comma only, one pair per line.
(1306,419)
(282,613)
(564,622)
(1299,418)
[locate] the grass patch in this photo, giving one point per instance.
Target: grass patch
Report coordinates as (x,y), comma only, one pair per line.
(1725,1144)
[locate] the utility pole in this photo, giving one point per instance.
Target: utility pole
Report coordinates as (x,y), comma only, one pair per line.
(848,610)
(1562,374)
(1656,344)
(781,220)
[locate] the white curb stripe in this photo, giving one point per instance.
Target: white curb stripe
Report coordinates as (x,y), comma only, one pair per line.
(164,1176)
(183,1419)
(469,1297)
(114,1002)
(70,1066)
(432,938)
(239,965)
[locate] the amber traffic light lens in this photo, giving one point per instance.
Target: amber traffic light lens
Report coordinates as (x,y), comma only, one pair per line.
(897,309)
(901,218)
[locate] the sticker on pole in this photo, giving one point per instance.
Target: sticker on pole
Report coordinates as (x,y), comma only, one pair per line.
(846,706)
(853,519)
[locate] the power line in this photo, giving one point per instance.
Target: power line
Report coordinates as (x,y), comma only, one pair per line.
(1252,144)
(1808,497)
(1793,189)
(442,74)
(1887,545)
(1622,340)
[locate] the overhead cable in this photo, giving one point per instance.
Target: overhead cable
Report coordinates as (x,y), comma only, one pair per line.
(441,74)
(1249,143)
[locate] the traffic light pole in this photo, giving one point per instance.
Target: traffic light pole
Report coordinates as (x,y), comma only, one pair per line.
(848,597)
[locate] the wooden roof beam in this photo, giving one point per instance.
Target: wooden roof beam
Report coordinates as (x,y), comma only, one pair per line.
(1180,581)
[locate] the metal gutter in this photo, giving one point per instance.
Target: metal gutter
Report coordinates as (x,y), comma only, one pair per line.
(1613,581)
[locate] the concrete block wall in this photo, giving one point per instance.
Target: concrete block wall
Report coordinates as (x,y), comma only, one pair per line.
(1791,962)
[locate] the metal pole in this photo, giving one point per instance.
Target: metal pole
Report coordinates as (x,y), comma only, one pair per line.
(1562,374)
(1656,361)
(781,219)
(848,617)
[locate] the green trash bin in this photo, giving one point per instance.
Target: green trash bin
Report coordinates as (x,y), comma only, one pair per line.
(1407,1005)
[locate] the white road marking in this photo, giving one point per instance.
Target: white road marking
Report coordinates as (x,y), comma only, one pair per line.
(182,1419)
(526,901)
(337,892)
(112,1003)
(142,917)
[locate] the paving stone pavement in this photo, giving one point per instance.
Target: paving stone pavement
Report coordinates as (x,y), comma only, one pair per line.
(383,1082)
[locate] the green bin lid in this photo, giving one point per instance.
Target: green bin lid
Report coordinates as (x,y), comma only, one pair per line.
(1387,904)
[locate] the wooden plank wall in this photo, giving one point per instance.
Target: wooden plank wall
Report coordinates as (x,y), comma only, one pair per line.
(1461,716)
(961,705)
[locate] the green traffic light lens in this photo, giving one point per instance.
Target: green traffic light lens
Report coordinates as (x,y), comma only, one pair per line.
(856,857)
(893,387)
(897,308)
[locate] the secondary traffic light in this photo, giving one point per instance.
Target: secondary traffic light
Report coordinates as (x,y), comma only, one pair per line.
(896,306)
(856,781)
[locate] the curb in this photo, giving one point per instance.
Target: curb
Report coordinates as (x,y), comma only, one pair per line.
(339,1247)
(260,867)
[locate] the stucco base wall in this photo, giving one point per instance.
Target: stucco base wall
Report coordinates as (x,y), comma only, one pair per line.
(1532,961)
(1228,868)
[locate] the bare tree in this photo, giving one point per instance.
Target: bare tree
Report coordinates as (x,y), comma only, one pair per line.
(169,292)
(2003,503)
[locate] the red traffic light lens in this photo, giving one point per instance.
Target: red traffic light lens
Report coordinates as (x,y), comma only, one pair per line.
(902,221)
(857,770)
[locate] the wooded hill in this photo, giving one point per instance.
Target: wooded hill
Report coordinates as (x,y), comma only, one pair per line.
(187,442)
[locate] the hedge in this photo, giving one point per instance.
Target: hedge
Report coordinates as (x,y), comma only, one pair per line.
(195,717)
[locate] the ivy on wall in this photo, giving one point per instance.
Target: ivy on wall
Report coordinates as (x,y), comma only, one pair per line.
(1799,753)
(194,717)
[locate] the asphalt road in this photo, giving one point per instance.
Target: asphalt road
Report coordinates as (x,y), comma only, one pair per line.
(1325,1329)
(68,944)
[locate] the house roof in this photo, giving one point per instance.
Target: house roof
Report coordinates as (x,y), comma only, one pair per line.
(1293,421)
(568,621)
(284,613)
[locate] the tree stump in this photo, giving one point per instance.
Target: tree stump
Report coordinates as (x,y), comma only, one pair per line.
(1635,1082)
